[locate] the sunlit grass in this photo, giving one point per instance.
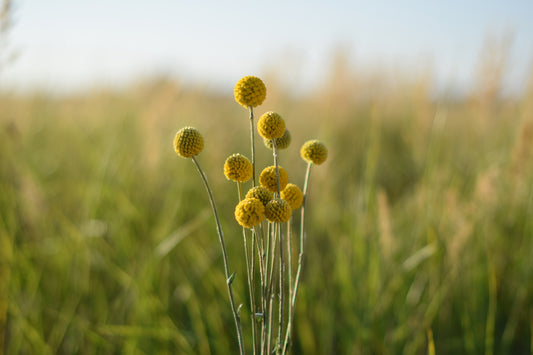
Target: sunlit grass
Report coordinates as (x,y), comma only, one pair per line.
(421,223)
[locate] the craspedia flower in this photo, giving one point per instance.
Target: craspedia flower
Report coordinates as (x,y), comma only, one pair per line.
(278,210)
(282,142)
(188,142)
(314,151)
(238,168)
(271,125)
(293,195)
(249,212)
(268,178)
(261,193)
(250,91)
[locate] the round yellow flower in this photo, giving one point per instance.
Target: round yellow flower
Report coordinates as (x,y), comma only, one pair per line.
(188,142)
(282,142)
(250,212)
(268,178)
(250,91)
(314,151)
(260,193)
(293,195)
(278,210)
(238,168)
(271,125)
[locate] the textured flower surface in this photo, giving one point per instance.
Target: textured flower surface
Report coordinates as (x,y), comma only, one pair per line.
(278,210)
(293,195)
(271,125)
(260,193)
(314,151)
(282,142)
(268,178)
(249,212)
(188,142)
(238,168)
(250,91)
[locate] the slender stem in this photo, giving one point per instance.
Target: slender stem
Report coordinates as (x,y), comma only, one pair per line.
(300,261)
(249,274)
(229,277)
(281,288)
(252,139)
(275,153)
(271,286)
(289,281)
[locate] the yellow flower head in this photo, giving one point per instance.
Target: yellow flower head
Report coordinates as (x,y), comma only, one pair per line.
(314,151)
(250,91)
(260,193)
(188,142)
(293,195)
(278,210)
(282,142)
(250,212)
(268,179)
(271,125)
(238,168)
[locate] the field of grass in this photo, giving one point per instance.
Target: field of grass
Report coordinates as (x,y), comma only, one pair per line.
(420,224)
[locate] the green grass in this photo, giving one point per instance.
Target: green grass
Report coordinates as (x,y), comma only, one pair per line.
(421,219)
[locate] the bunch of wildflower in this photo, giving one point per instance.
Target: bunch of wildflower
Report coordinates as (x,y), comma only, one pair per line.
(264,213)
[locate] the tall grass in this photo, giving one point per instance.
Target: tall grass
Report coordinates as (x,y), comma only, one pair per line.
(423,238)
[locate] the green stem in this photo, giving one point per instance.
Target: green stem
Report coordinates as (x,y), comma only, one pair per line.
(281,289)
(300,261)
(252,139)
(229,277)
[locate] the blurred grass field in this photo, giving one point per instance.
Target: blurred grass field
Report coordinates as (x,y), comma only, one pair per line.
(420,223)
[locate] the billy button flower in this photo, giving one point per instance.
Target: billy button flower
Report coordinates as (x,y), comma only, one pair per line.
(260,193)
(314,151)
(188,142)
(278,210)
(271,125)
(268,178)
(249,212)
(238,168)
(282,142)
(250,91)
(293,195)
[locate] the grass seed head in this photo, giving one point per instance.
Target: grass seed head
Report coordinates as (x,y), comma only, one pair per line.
(188,142)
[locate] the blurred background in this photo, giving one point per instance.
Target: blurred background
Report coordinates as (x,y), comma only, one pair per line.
(419,224)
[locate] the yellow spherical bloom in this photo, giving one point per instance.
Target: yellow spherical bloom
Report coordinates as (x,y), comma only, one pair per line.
(282,142)
(188,142)
(250,91)
(278,210)
(250,212)
(314,151)
(260,193)
(268,178)
(238,168)
(271,125)
(293,195)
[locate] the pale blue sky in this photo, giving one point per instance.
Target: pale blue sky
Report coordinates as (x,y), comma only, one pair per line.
(69,44)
